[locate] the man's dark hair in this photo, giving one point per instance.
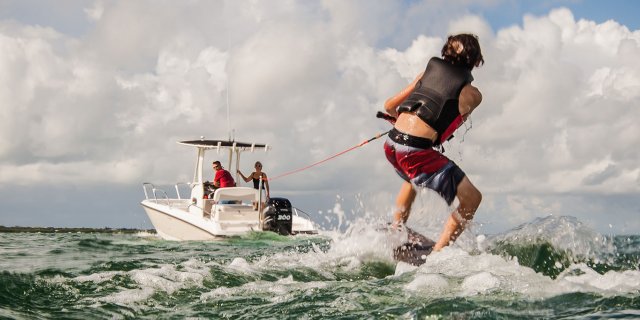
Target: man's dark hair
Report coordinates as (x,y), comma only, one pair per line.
(471,54)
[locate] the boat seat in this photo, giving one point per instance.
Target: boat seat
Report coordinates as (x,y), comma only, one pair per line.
(238,222)
(234,207)
(236,193)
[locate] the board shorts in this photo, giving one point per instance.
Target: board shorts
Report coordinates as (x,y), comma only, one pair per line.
(415,161)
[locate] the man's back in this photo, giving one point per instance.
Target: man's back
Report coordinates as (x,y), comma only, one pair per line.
(224,179)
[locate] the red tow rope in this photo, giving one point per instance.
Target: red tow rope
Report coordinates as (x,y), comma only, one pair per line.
(379,115)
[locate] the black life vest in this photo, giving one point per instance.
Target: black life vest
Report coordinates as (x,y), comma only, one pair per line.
(435,97)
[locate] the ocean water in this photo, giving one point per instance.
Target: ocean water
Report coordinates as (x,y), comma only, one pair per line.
(550,268)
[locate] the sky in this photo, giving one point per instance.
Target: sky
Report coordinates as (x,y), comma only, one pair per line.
(94,96)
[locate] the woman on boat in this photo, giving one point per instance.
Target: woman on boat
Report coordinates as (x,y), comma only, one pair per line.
(257,176)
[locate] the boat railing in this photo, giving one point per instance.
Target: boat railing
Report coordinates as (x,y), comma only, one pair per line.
(154,191)
(166,197)
(190,185)
(205,212)
(295,210)
(193,204)
(146,185)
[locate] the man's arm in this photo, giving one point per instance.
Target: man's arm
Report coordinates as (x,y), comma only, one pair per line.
(216,180)
(392,103)
(470,98)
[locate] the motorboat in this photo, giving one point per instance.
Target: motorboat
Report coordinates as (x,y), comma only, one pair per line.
(224,212)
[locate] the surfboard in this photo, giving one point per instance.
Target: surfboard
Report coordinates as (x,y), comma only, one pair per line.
(415,250)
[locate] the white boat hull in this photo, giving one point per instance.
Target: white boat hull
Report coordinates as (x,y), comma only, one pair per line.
(171,227)
(177,224)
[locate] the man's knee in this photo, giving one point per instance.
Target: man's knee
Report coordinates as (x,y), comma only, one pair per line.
(476,197)
(468,194)
(470,199)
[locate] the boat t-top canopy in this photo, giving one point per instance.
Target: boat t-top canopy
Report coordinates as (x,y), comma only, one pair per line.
(234,148)
(220,144)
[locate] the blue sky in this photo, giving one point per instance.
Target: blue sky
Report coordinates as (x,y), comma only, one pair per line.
(506,13)
(96,93)
(68,16)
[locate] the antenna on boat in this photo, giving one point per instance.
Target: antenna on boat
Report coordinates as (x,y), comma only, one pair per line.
(228,111)
(226,23)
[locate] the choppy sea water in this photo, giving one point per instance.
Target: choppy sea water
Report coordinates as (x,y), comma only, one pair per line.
(551,268)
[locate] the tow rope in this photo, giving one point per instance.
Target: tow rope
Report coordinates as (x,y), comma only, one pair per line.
(379,115)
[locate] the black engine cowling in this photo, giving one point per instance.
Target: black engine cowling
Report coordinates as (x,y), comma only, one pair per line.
(278,216)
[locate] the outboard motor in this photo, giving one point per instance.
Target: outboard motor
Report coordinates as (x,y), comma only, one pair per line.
(278,216)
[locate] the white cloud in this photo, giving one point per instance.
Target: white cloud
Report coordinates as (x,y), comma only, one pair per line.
(74,173)
(558,119)
(95,12)
(559,111)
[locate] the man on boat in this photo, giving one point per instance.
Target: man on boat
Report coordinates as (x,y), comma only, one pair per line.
(428,110)
(223,178)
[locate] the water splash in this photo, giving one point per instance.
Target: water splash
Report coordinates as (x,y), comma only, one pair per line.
(551,244)
(336,274)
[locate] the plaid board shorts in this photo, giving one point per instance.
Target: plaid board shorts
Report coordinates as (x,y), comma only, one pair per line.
(417,162)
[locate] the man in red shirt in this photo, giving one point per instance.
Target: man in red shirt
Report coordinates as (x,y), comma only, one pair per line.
(222,178)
